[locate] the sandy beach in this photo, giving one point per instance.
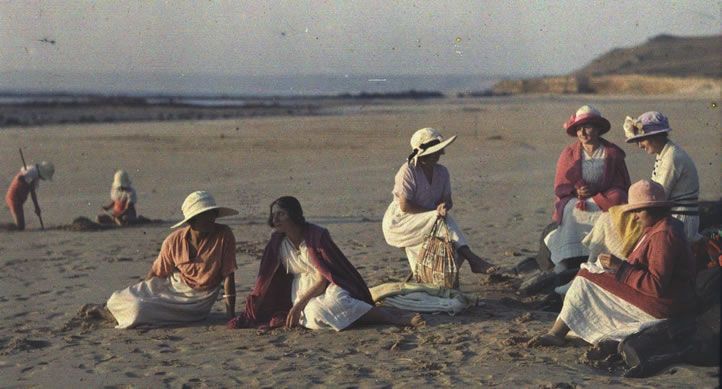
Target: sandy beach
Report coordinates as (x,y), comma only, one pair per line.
(341,166)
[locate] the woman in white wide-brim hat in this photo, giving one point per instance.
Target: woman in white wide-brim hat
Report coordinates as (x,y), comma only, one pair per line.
(674,169)
(422,193)
(25,183)
(612,298)
(185,279)
(122,202)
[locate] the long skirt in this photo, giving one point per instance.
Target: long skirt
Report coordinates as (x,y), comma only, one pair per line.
(595,314)
(566,241)
(408,230)
(160,301)
(335,309)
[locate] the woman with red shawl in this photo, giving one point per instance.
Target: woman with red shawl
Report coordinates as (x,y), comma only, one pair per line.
(591,177)
(304,279)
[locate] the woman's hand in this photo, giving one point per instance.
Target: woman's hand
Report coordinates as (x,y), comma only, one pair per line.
(609,262)
(294,315)
(442,210)
(584,191)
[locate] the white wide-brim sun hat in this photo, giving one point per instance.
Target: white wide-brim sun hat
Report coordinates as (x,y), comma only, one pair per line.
(427,141)
(198,202)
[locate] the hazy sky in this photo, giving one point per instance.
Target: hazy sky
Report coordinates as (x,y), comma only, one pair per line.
(335,37)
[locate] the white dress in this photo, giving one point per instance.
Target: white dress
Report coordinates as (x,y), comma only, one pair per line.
(160,301)
(408,230)
(595,314)
(676,172)
(335,308)
(566,241)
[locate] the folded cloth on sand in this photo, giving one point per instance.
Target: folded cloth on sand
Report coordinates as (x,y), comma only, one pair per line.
(421,297)
(160,301)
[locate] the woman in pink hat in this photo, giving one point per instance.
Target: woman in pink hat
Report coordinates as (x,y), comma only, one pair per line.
(611,298)
(673,167)
(195,262)
(422,193)
(591,176)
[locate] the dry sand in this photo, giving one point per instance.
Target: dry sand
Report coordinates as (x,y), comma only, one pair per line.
(341,167)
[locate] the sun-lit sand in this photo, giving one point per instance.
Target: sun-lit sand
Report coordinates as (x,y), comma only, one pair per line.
(341,167)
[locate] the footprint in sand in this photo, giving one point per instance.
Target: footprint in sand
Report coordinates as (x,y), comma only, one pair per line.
(20,343)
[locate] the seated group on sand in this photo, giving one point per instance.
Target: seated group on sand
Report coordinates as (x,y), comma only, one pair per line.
(305,279)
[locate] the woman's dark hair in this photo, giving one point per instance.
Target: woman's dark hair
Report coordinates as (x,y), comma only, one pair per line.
(658,212)
(292,206)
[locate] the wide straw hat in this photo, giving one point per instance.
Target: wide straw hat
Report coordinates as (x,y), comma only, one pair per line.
(646,194)
(587,114)
(46,170)
(121,179)
(427,141)
(647,124)
(199,202)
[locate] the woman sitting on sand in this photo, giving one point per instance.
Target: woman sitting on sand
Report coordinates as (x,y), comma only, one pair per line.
(618,298)
(122,202)
(304,279)
(591,176)
(185,279)
(25,183)
(673,167)
(422,193)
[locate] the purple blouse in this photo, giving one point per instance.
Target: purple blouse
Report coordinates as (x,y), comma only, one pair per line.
(411,184)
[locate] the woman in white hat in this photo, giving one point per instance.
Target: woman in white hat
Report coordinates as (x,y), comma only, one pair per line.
(673,167)
(422,193)
(185,279)
(612,298)
(591,177)
(25,183)
(122,202)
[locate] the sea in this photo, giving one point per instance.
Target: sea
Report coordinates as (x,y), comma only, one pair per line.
(221,90)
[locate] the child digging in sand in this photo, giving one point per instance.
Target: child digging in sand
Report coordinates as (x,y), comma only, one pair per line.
(122,202)
(26,183)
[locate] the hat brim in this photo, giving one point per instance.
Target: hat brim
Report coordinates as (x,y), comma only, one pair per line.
(437,147)
(601,122)
(222,212)
(639,137)
(646,204)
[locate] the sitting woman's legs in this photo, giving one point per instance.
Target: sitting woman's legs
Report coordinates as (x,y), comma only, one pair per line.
(555,336)
(477,264)
(390,315)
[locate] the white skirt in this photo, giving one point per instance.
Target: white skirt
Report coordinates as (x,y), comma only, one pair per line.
(408,230)
(595,314)
(566,241)
(160,301)
(335,309)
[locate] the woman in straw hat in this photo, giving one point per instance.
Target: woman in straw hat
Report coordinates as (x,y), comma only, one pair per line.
(122,202)
(422,193)
(612,298)
(673,167)
(304,279)
(184,281)
(27,182)
(591,176)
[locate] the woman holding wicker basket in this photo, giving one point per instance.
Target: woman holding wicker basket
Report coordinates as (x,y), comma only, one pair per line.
(422,195)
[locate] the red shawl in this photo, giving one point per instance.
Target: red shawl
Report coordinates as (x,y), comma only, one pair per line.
(270,300)
(614,185)
(659,276)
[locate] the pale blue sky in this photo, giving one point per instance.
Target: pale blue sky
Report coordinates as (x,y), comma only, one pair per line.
(335,37)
